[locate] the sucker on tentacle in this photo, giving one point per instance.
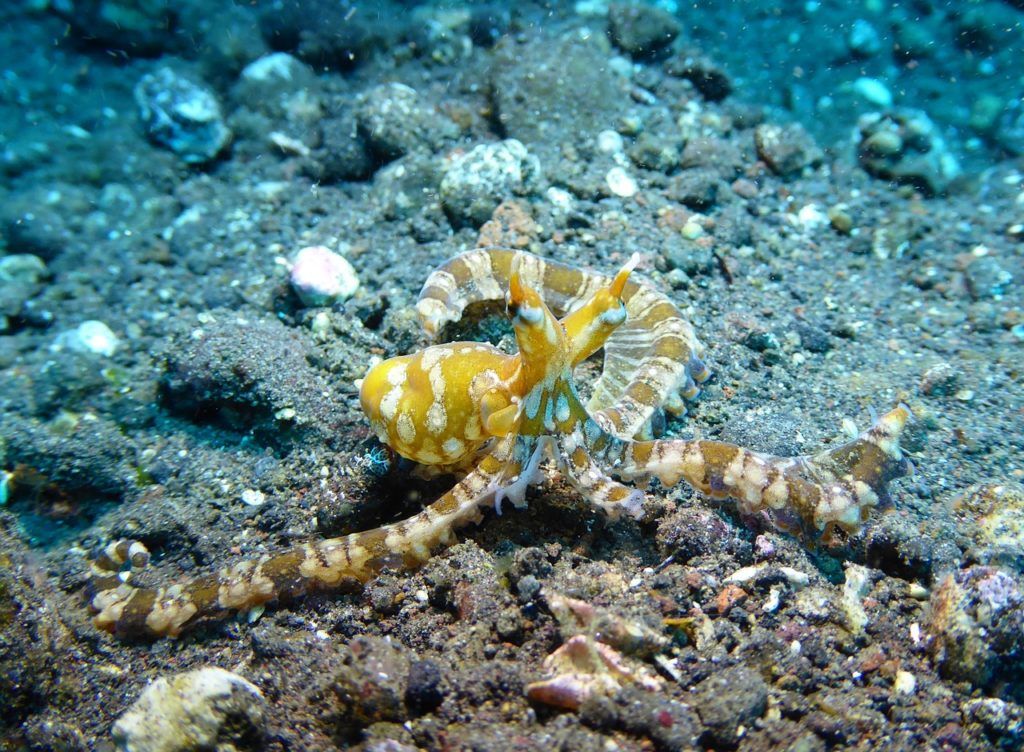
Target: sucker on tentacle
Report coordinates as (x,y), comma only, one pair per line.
(470,406)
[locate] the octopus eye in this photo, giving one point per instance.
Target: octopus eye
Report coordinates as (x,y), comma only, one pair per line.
(527,315)
(613,316)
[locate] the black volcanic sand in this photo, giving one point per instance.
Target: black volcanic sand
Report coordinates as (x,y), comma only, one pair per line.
(824,294)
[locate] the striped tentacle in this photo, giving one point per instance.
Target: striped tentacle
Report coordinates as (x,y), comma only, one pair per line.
(331,564)
(652,361)
(811,495)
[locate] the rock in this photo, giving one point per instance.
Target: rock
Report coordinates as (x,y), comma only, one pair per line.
(621,183)
(986,278)
(940,380)
(20,279)
(343,153)
(140,27)
(208,708)
(321,277)
(697,189)
(863,40)
(555,92)
(250,375)
(232,39)
(395,121)
(88,337)
(904,145)
(641,30)
(423,692)
(408,186)
(985,27)
(707,77)
(687,256)
(31,226)
(181,115)
(22,269)
(279,85)
(477,182)
(786,149)
(999,718)
(873,91)
(995,512)
(976,621)
(488,23)
(325,33)
(728,699)
(654,152)
(370,688)
(813,338)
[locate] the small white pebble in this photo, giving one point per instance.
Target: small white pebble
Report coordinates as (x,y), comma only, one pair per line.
(873,91)
(609,142)
(320,276)
(253,498)
(560,198)
(620,182)
(89,337)
(905,683)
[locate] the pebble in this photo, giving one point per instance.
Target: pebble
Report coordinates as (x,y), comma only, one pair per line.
(786,149)
(22,268)
(864,40)
(939,380)
(322,277)
(620,183)
(181,115)
(88,337)
(873,91)
(395,120)
(208,708)
(986,278)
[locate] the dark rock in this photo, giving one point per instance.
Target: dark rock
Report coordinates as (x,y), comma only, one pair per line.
(977,619)
(653,152)
(786,149)
(708,78)
(423,692)
(905,146)
(328,33)
(641,30)
(898,550)
(370,688)
(343,154)
(986,278)
(394,120)
(137,27)
(697,189)
(88,458)
(812,338)
(986,28)
(692,258)
(555,92)
(252,375)
(730,698)
(690,532)
(31,226)
(719,155)
(671,725)
(489,23)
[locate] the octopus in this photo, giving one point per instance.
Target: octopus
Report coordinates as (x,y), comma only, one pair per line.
(500,420)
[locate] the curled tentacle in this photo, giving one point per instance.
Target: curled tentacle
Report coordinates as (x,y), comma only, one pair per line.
(652,360)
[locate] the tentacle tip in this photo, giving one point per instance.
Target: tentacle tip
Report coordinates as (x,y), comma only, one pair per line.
(619,283)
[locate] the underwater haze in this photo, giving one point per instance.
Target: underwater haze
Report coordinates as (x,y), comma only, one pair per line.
(511,376)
